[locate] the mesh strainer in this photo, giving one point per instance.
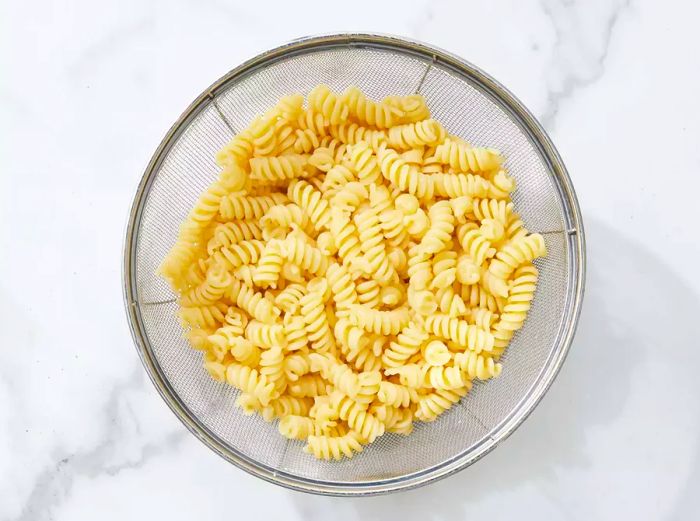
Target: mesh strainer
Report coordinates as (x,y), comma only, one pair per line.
(468,103)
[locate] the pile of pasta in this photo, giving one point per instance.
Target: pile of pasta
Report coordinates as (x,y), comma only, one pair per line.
(353,269)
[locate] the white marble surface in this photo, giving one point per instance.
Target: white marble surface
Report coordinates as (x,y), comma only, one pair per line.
(87,89)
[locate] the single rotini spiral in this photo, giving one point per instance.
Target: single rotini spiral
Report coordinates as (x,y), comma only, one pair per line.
(412,108)
(364,110)
(232,232)
(501,185)
(237,151)
(289,107)
(252,302)
(442,224)
(287,405)
(250,381)
(467,159)
(333,447)
(295,427)
(460,331)
(311,201)
(308,386)
(441,377)
(363,161)
(238,254)
(476,246)
(515,228)
(522,291)
(238,205)
(288,299)
(359,420)
(342,287)
(281,167)
(371,238)
(295,333)
(445,269)
(209,291)
(352,133)
(203,316)
(394,394)
(405,137)
(325,102)
(420,268)
(264,135)
(436,353)
(272,368)
(313,121)
(477,366)
(492,209)
(265,335)
(369,383)
(368,292)
(517,253)
(304,255)
(317,327)
(377,321)
(434,404)
(399,173)
(269,266)
(459,185)
(285,138)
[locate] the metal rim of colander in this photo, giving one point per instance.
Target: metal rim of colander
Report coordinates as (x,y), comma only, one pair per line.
(573,231)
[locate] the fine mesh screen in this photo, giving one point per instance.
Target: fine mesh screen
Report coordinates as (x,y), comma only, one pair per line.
(188,167)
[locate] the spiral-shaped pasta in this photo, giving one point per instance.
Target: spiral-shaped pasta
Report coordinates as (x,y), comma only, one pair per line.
(394,394)
(364,359)
(441,377)
(369,382)
(517,305)
(517,253)
(365,424)
(287,405)
(288,299)
(305,141)
(342,287)
(431,405)
(368,293)
(372,243)
(279,219)
(442,224)
(237,151)
(325,102)
(238,205)
(232,232)
(317,327)
(308,386)
(364,110)
(476,296)
(412,135)
(412,108)
(363,161)
(379,322)
(269,266)
(209,291)
(477,366)
(481,318)
(445,269)
(304,255)
(336,178)
(313,121)
(501,185)
(460,331)
(350,197)
(272,368)
(295,333)
(238,254)
(459,185)
(492,209)
(264,135)
(450,303)
(295,427)
(466,159)
(393,228)
(311,201)
(335,447)
(399,173)
(203,316)
(352,133)
(476,246)
(252,302)
(436,353)
(265,335)
(351,337)
(250,381)
(410,375)
(245,352)
(289,107)
(401,422)
(215,368)
(284,167)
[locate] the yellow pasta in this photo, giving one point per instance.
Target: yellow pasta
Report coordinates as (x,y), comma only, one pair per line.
(353,269)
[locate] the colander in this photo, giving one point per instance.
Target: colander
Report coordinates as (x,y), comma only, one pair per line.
(470,104)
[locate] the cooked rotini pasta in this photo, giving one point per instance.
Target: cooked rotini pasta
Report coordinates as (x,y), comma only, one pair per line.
(353,269)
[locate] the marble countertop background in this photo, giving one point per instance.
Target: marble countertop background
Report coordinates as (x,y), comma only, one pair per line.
(87,90)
